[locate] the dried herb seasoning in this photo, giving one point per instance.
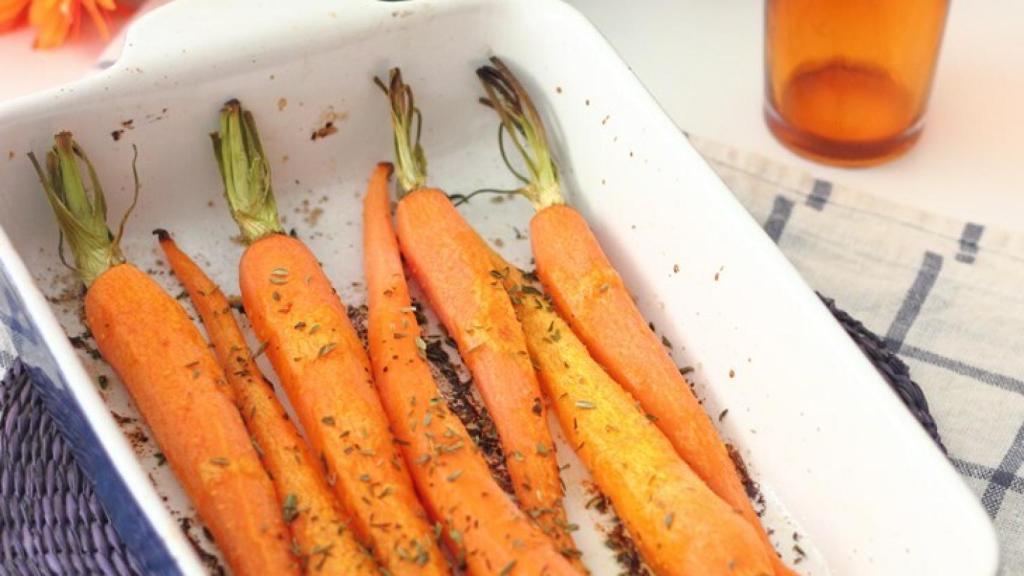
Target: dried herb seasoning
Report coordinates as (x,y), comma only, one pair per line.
(456,393)
(290,508)
(507,569)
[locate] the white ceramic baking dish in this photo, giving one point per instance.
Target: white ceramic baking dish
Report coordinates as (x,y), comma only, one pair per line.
(839,460)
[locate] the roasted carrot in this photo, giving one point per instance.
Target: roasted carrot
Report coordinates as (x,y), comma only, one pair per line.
(588,291)
(320,534)
(322,364)
(174,379)
(482,525)
(454,268)
(679,525)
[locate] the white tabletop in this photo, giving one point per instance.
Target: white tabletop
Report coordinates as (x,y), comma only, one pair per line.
(702,60)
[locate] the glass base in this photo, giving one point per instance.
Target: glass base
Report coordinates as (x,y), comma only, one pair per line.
(841,153)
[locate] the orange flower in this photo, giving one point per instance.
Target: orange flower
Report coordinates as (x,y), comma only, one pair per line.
(55,19)
(10,12)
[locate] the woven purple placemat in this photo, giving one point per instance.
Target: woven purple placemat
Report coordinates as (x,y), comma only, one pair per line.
(51,522)
(50,519)
(895,372)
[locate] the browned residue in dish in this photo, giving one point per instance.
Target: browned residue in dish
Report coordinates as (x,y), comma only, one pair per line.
(155,117)
(329,120)
(324,131)
(753,490)
(84,343)
(310,214)
(137,438)
(800,554)
(358,316)
(617,539)
(125,125)
(208,559)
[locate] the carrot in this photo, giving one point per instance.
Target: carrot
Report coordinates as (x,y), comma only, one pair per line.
(588,291)
(679,525)
(454,268)
(321,362)
(319,531)
(163,360)
(482,525)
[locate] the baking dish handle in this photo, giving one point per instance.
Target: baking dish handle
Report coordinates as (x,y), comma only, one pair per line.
(180,33)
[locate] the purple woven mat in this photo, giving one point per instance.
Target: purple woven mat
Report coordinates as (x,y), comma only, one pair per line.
(51,522)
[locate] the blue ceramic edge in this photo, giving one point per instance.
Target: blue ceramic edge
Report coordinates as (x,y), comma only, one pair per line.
(126,515)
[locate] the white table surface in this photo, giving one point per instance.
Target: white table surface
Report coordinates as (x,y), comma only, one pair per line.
(702,59)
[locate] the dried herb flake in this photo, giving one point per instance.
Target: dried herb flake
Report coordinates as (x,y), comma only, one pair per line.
(290,509)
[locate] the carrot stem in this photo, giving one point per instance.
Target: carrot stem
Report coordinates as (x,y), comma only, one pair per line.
(412,163)
(245,173)
(82,217)
(522,122)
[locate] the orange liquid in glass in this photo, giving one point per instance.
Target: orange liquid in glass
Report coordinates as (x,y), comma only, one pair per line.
(847,81)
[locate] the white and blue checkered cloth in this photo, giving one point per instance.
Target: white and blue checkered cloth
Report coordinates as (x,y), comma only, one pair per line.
(947,295)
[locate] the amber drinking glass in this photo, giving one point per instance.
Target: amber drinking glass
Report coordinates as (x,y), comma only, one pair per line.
(847,81)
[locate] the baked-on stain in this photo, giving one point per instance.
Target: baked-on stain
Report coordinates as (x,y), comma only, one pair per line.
(751,487)
(213,565)
(617,539)
(324,131)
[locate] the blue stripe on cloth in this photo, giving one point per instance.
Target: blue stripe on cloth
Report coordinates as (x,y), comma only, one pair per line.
(819,194)
(992,499)
(969,243)
(996,379)
(776,223)
(914,300)
(982,472)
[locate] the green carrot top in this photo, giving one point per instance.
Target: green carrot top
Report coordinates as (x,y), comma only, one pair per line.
(410,162)
(520,120)
(82,216)
(246,173)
